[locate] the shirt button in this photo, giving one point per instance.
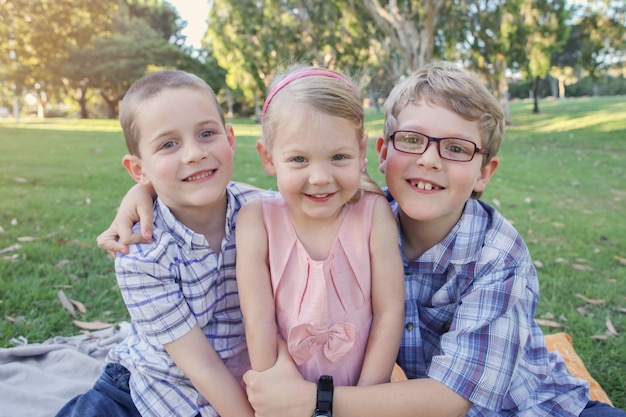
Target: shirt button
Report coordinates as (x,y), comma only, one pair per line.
(409,326)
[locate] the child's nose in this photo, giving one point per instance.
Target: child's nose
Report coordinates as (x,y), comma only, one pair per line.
(193,152)
(319,175)
(430,157)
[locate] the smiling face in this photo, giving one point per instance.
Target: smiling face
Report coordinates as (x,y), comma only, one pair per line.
(317,160)
(427,187)
(185,150)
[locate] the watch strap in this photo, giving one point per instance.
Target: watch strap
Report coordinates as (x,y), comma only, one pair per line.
(324,400)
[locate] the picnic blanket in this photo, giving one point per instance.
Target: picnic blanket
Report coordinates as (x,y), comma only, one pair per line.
(37,379)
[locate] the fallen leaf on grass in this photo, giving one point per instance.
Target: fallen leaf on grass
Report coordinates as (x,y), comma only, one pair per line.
(538,264)
(621,309)
(590,300)
(10,248)
(62,263)
(65,302)
(14,319)
(582,310)
(620,260)
(599,337)
(580,267)
(80,306)
(548,323)
(610,328)
(26,239)
(92,325)
(20,179)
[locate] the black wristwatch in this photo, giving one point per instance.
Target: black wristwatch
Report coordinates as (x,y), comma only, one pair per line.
(324,402)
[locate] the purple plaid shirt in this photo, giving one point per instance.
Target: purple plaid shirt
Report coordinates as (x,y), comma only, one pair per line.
(169,286)
(470,303)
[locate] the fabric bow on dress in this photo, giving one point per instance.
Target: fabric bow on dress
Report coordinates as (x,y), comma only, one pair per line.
(305,341)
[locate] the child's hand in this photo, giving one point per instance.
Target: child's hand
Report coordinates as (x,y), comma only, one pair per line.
(135,206)
(280,390)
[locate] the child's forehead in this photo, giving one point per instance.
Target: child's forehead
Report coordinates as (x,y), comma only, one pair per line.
(436,119)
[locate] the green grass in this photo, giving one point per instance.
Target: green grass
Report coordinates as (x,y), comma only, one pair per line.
(562,182)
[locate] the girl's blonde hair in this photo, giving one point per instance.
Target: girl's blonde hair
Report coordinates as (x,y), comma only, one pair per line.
(327,91)
(150,86)
(444,84)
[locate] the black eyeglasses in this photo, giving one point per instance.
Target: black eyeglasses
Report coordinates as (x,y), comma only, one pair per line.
(453,149)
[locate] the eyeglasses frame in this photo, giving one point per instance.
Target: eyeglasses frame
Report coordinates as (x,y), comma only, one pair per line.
(477,150)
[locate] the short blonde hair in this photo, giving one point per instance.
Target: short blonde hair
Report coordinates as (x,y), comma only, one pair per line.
(150,86)
(447,85)
(332,94)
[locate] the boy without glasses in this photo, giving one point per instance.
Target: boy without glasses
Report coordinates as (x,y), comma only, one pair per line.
(470,344)
(186,350)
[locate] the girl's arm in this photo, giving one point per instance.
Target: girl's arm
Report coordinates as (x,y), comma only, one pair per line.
(135,206)
(387,297)
(195,356)
(255,288)
(282,392)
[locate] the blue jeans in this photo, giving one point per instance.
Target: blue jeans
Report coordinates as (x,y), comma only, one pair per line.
(109,397)
(598,409)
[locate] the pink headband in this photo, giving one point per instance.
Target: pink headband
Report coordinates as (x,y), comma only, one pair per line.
(301,74)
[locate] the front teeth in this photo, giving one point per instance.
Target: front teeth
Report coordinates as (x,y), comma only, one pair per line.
(199,176)
(319,195)
(424,186)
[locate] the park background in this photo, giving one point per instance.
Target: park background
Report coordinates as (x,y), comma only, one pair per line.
(557,66)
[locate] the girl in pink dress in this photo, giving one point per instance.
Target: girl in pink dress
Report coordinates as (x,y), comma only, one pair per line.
(319,266)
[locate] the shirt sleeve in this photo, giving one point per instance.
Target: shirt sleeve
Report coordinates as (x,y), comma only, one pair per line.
(150,285)
(493,319)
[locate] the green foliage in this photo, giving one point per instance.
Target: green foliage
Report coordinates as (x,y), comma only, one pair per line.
(561,183)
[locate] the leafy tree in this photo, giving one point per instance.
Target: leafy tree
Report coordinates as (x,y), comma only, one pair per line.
(602,37)
(253,39)
(409,26)
(544,24)
(40,33)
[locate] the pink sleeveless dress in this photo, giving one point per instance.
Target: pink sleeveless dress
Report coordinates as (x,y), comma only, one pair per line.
(323,308)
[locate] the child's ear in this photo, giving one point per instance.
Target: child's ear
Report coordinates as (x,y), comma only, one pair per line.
(363,152)
(230,135)
(486,173)
(381,148)
(133,165)
(266,156)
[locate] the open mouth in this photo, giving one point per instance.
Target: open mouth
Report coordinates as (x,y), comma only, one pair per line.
(199,176)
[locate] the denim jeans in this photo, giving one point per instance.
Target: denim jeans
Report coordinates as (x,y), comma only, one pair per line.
(598,409)
(109,397)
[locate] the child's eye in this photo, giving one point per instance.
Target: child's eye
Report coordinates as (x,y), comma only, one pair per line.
(338,157)
(459,147)
(207,134)
(169,144)
(298,159)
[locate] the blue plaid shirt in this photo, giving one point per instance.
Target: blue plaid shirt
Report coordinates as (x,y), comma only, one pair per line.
(470,303)
(169,286)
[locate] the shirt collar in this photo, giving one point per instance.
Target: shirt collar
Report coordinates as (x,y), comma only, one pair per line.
(188,237)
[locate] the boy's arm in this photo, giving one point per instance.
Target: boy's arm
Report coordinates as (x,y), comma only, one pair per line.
(387,297)
(282,392)
(195,356)
(254,285)
(135,206)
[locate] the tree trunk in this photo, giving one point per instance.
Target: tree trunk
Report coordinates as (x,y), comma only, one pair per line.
(535,90)
(82,101)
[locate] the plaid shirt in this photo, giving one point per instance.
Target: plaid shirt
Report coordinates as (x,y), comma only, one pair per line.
(169,286)
(470,303)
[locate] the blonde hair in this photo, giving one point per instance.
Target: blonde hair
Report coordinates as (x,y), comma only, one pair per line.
(445,84)
(327,91)
(150,86)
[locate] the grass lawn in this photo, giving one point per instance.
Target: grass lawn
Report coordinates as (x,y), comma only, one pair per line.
(562,182)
